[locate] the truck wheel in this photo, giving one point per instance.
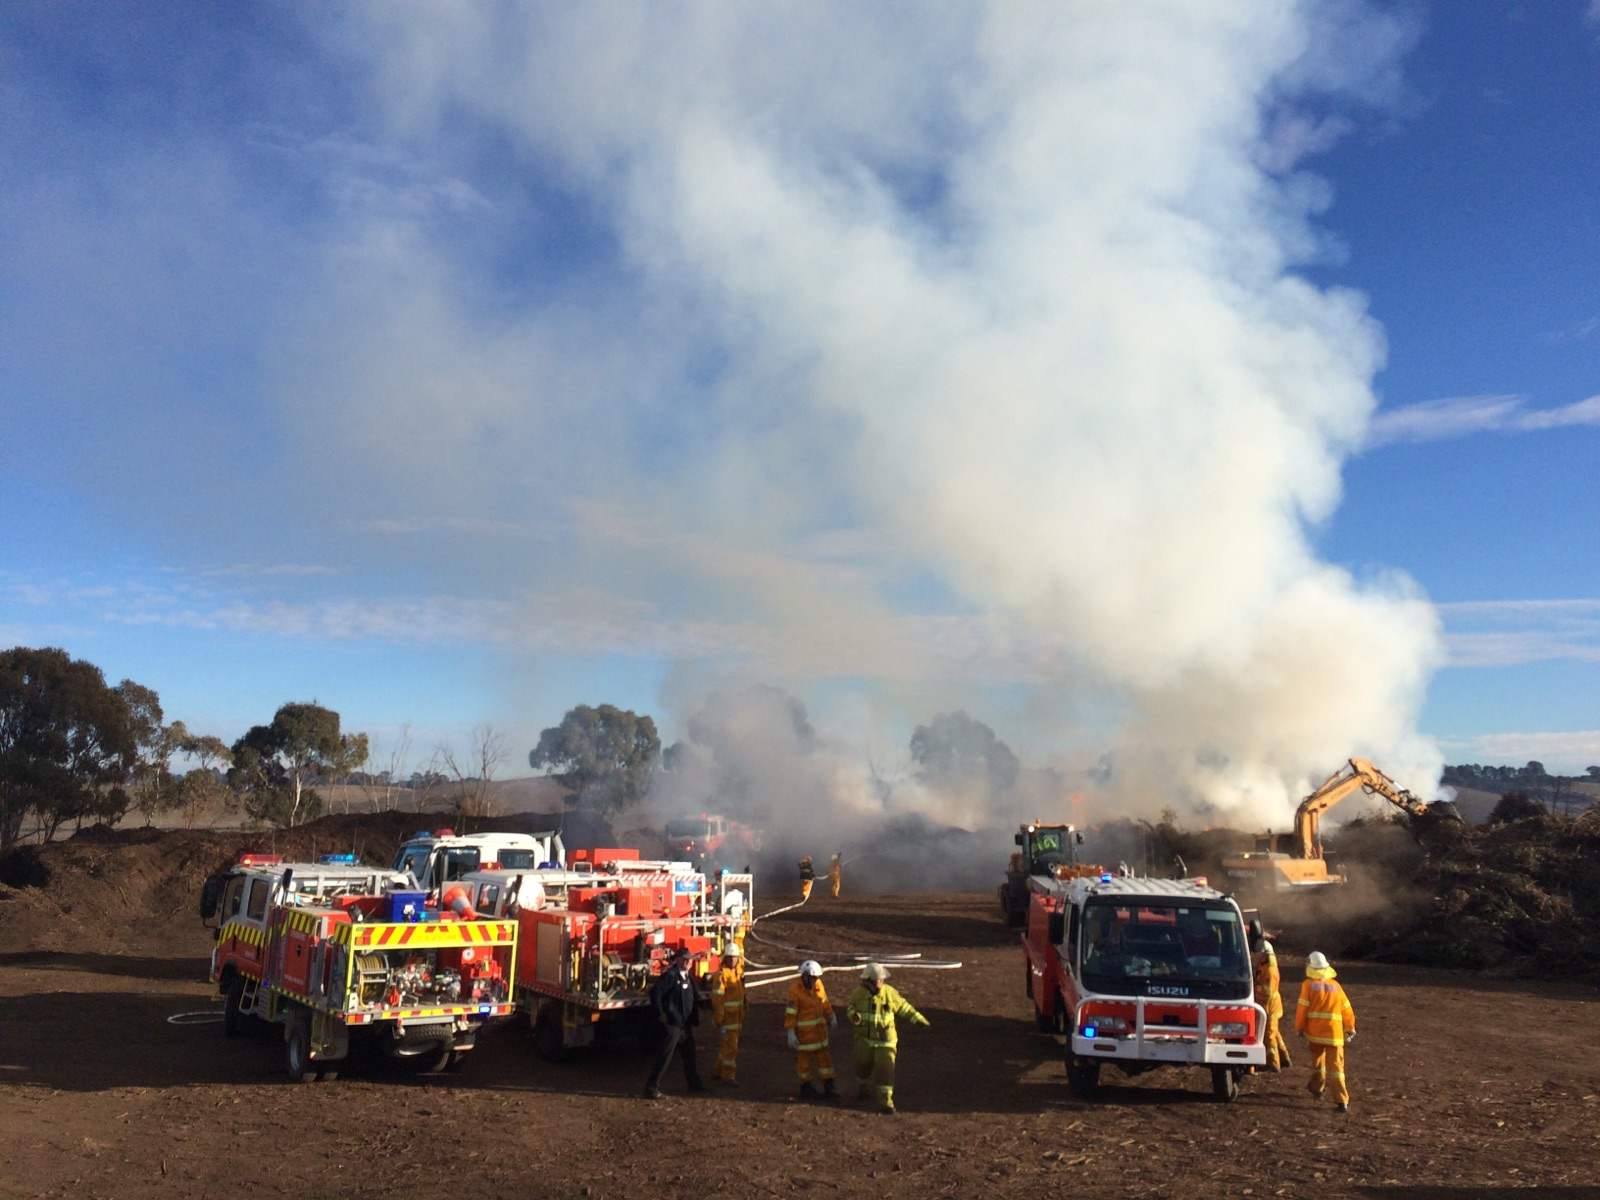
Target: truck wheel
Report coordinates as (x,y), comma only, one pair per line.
(297,1049)
(435,1059)
(1225,1084)
(547,1037)
(234,1021)
(1083,1078)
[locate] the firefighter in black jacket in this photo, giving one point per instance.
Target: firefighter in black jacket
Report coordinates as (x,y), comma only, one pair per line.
(674,1000)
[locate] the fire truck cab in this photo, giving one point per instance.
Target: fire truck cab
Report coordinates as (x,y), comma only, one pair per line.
(706,840)
(341,954)
(438,857)
(1142,973)
(593,939)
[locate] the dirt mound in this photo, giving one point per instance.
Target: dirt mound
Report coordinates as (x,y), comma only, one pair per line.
(137,889)
(1519,898)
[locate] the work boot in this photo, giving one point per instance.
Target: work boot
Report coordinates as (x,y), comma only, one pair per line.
(886,1109)
(1284,1062)
(698,1087)
(807,1091)
(652,1093)
(1344,1108)
(830,1093)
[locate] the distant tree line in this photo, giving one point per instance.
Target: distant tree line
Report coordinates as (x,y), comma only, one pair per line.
(1525,787)
(76,750)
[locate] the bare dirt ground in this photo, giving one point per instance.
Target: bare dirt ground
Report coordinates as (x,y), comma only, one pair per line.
(1463,1085)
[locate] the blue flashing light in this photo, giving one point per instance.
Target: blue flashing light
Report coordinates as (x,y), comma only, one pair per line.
(486,1009)
(423,833)
(1103,879)
(339,858)
(1089,1031)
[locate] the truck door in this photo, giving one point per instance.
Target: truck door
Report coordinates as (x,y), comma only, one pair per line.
(250,923)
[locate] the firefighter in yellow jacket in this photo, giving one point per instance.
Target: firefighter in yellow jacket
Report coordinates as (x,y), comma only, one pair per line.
(835,875)
(807,1018)
(1325,1019)
(1269,995)
(727,1010)
(871,1011)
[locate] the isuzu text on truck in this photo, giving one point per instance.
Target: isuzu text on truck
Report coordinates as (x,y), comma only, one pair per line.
(1143,973)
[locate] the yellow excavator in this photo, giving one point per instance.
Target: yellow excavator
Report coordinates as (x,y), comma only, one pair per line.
(1294,862)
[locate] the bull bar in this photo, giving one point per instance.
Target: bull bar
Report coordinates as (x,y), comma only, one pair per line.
(1170,1043)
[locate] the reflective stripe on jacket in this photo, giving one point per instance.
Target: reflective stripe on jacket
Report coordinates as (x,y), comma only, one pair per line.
(807,1013)
(1323,1014)
(872,1017)
(727,997)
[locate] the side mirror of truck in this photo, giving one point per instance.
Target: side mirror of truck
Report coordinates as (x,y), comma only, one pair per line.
(1079,836)
(211,896)
(1016,839)
(1058,928)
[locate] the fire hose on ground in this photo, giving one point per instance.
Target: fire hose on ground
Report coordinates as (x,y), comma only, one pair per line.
(899,960)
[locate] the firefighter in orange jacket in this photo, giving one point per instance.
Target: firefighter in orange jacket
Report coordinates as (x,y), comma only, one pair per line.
(808,877)
(807,1019)
(727,1009)
(1325,1019)
(1270,997)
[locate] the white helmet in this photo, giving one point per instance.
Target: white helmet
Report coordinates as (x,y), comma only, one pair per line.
(734,950)
(1316,961)
(810,967)
(874,971)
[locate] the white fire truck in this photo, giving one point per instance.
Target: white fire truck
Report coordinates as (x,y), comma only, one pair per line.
(592,939)
(437,857)
(1142,973)
(340,954)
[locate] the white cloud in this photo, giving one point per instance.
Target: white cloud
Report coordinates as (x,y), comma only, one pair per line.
(267,570)
(1564,752)
(1511,632)
(1436,420)
(418,526)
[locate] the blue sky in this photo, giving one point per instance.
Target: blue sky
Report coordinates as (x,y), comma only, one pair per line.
(339,360)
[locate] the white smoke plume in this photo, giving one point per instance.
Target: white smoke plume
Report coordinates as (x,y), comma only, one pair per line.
(1014,291)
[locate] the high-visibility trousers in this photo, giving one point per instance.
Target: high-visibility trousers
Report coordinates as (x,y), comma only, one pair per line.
(814,1065)
(805,888)
(1277,1048)
(875,1072)
(1327,1066)
(728,1053)
(833,885)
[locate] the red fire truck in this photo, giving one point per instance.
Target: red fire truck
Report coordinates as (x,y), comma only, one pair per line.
(709,841)
(337,954)
(1140,974)
(593,938)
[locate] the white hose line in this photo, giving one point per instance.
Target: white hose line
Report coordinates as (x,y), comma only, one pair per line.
(205,1017)
(856,956)
(775,912)
(793,974)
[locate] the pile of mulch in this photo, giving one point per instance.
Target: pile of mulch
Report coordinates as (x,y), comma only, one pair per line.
(1520,898)
(115,890)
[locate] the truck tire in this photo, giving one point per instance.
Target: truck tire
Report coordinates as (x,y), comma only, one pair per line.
(234,1021)
(1083,1078)
(1225,1084)
(297,1049)
(547,1037)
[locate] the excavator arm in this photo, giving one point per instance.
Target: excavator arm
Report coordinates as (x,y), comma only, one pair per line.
(1356,774)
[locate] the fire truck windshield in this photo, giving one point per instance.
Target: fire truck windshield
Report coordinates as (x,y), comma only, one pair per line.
(688,829)
(1157,947)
